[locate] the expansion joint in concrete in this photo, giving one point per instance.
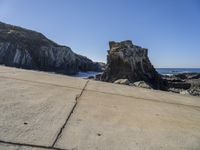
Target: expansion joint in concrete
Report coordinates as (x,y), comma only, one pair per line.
(148,99)
(30,145)
(39,82)
(71,112)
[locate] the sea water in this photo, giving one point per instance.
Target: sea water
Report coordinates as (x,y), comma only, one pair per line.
(172,71)
(87,74)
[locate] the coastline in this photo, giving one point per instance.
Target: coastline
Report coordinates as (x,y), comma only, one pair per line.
(162,71)
(185,81)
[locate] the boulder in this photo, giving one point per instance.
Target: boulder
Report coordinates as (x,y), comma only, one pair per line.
(28,49)
(185,92)
(90,77)
(142,84)
(122,81)
(128,61)
(194,91)
(174,90)
(98,77)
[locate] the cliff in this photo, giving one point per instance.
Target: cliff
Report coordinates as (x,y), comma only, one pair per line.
(28,49)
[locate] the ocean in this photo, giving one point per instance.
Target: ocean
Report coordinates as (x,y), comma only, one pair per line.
(87,74)
(172,71)
(163,71)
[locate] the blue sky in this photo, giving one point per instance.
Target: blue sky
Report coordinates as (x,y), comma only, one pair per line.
(170,29)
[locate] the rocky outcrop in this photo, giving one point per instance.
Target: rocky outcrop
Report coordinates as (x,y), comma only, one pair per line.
(128,61)
(187,76)
(184,83)
(28,49)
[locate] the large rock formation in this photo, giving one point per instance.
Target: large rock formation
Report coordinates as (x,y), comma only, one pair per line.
(128,61)
(28,49)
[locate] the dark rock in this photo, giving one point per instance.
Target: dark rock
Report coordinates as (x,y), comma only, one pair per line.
(128,61)
(179,85)
(192,75)
(172,78)
(28,49)
(85,64)
(184,83)
(90,77)
(102,65)
(181,76)
(188,76)
(98,77)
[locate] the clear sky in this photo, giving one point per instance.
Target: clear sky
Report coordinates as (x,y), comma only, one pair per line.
(170,29)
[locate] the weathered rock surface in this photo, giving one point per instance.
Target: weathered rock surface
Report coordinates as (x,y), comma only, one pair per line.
(128,61)
(185,92)
(195,91)
(142,84)
(122,81)
(28,49)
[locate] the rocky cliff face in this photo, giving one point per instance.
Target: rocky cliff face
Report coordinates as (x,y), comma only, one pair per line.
(28,49)
(128,61)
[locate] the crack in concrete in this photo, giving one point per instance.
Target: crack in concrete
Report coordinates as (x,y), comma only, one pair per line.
(71,112)
(31,145)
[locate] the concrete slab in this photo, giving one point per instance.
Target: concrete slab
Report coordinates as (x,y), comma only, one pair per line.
(33,113)
(104,121)
(142,93)
(41,77)
(34,107)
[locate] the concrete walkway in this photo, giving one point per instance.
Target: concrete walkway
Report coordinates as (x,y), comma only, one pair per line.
(41,111)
